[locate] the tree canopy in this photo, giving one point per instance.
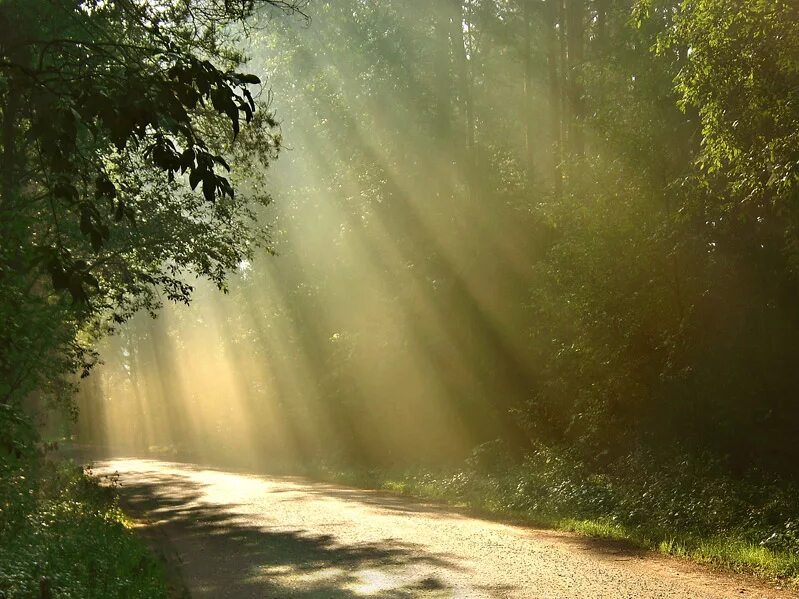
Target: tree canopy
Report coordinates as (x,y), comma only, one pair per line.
(123,140)
(551,222)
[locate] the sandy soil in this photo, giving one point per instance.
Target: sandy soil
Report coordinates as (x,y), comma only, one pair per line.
(241,536)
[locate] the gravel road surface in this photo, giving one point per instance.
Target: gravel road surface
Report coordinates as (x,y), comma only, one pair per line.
(244,536)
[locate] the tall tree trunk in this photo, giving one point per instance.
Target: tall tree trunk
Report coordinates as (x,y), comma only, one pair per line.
(443,74)
(463,129)
(9,139)
(475,159)
(553,10)
(575,34)
(10,107)
(529,133)
(13,157)
(602,10)
(441,166)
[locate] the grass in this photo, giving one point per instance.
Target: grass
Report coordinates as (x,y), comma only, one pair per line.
(63,535)
(686,507)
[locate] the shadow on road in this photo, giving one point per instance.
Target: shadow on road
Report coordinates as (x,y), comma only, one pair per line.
(247,536)
(385,501)
(225,556)
(380,500)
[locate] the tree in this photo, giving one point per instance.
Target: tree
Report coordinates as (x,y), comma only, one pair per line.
(639,294)
(742,76)
(575,34)
(555,67)
(118,120)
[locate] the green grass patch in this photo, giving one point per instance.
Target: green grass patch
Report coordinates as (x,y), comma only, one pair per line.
(602,529)
(62,535)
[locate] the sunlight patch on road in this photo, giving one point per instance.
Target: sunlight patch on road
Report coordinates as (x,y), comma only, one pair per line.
(373,581)
(286,575)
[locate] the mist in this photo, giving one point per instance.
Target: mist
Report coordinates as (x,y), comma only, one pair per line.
(484,229)
(388,327)
(302,297)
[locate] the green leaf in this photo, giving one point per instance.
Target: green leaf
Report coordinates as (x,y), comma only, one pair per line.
(221,161)
(248,78)
(209,186)
(195,177)
(187,159)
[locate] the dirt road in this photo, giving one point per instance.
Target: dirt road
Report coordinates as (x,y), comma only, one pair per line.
(241,536)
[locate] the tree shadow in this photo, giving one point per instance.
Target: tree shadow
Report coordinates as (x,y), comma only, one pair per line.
(224,555)
(615,549)
(303,489)
(384,501)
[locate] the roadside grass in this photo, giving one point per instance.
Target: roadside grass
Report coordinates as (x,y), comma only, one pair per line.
(63,535)
(686,508)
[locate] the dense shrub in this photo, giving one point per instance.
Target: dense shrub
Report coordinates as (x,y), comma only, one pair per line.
(63,535)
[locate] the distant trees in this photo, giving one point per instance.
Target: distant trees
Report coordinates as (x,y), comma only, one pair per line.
(111,113)
(655,219)
(739,78)
(569,222)
(675,258)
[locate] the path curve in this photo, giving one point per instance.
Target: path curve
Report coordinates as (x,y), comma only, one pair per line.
(246,536)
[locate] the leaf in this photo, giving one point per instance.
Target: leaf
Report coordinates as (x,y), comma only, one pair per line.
(247,111)
(75,287)
(187,159)
(58,275)
(66,190)
(96,240)
(248,78)
(86,225)
(221,161)
(209,186)
(195,177)
(225,187)
(250,99)
(91,280)
(218,98)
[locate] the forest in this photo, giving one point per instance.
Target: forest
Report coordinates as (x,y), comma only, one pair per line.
(529,256)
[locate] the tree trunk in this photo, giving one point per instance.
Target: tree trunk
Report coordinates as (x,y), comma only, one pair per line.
(463,129)
(443,76)
(555,113)
(529,137)
(8,130)
(13,157)
(475,161)
(575,33)
(602,10)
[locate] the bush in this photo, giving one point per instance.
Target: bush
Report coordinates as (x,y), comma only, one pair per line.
(63,535)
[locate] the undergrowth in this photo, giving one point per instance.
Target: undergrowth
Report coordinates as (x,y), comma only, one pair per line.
(687,507)
(62,535)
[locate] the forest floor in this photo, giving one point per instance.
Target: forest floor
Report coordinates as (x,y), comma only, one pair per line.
(236,535)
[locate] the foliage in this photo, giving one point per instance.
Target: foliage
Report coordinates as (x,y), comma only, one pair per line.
(741,73)
(63,535)
(562,225)
(521,223)
(118,123)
